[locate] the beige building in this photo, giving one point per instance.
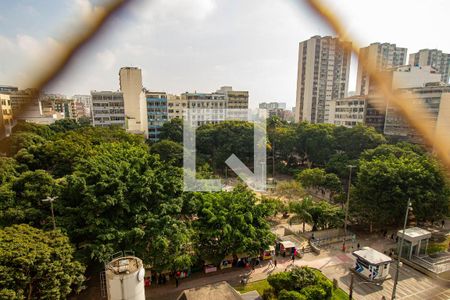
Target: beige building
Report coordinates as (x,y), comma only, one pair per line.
(130,79)
(380,56)
(205,108)
(323,72)
(435,97)
(235,99)
(176,106)
(6,116)
(435,58)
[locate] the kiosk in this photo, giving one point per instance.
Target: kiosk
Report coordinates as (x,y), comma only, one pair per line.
(371,264)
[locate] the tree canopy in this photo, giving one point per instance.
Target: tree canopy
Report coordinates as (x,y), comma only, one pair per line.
(36,264)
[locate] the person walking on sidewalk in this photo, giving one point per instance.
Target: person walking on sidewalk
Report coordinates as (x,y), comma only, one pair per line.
(275,262)
(271,263)
(293,258)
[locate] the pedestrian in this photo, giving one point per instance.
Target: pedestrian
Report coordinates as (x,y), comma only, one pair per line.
(343,246)
(176,282)
(275,262)
(293,258)
(270,262)
(358,246)
(443,223)
(392,236)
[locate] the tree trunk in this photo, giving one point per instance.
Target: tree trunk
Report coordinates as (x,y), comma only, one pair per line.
(303,226)
(30,289)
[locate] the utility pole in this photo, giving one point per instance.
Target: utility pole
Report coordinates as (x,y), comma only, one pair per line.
(273,160)
(350,295)
(51,199)
(348,197)
(399,249)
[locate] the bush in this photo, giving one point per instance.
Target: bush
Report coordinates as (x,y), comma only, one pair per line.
(269,294)
(291,295)
(314,292)
(280,281)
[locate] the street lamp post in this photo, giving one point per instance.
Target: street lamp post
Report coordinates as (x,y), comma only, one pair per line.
(348,197)
(51,199)
(400,248)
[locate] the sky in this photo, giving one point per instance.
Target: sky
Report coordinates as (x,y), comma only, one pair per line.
(200,45)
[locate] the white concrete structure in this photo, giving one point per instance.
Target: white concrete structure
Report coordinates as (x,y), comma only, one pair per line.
(348,111)
(125,279)
(371,264)
(380,56)
(323,72)
(435,58)
(404,77)
(135,105)
(415,241)
(108,108)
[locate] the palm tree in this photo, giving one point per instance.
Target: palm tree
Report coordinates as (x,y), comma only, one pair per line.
(300,209)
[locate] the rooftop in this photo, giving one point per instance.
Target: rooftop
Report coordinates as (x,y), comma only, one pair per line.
(415,232)
(372,256)
(220,290)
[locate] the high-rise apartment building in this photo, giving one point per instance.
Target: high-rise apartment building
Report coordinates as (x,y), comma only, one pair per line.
(323,72)
(157,113)
(380,56)
(130,79)
(235,99)
(108,108)
(435,58)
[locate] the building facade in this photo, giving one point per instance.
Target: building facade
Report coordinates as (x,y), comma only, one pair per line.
(157,113)
(348,111)
(401,77)
(108,108)
(434,58)
(323,72)
(6,116)
(86,105)
(435,98)
(235,99)
(379,56)
(130,79)
(176,106)
(205,108)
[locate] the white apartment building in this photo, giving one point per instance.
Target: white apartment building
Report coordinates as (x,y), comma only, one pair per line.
(135,105)
(323,72)
(434,58)
(108,108)
(348,111)
(85,108)
(205,108)
(380,56)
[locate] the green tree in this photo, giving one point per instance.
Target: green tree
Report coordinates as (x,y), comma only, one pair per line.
(230,223)
(172,130)
(301,209)
(389,175)
(35,264)
(168,151)
(120,198)
(318,179)
(21,199)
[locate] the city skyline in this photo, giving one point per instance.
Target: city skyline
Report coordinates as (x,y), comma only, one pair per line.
(183,47)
